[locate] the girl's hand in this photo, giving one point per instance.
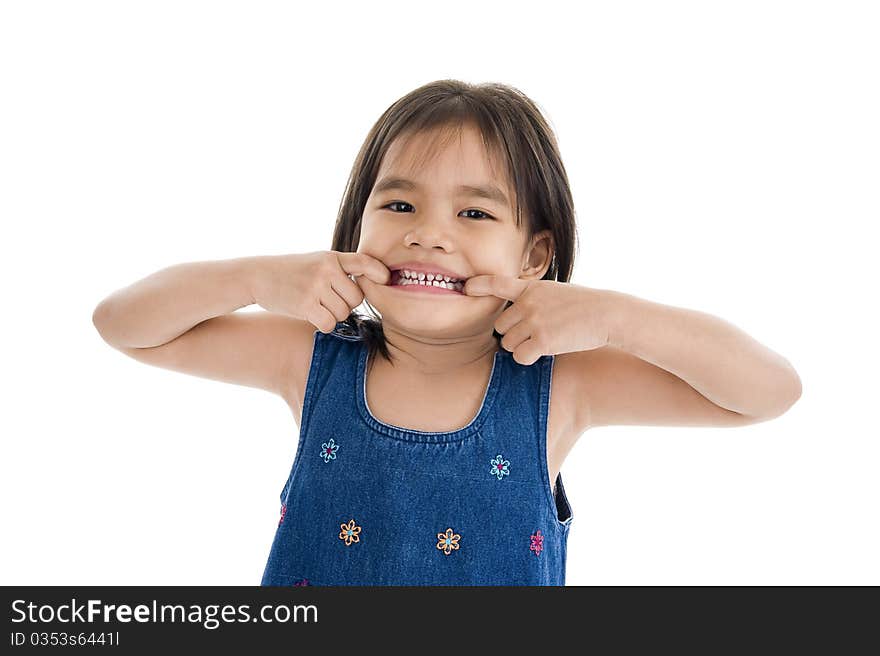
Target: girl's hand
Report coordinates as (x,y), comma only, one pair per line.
(547,317)
(315,287)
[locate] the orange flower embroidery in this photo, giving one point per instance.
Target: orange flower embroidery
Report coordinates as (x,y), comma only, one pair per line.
(448,541)
(349,533)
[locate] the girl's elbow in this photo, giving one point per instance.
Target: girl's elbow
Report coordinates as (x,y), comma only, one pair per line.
(792,393)
(795,389)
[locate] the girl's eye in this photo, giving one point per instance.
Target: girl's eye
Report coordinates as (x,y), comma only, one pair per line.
(480,212)
(398,202)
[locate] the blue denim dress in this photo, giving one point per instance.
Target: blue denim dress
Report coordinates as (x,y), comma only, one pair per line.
(368,503)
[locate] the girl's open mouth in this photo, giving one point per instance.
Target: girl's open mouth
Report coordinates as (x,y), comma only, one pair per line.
(423,284)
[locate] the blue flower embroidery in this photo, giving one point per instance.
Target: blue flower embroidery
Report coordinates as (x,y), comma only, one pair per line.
(328,450)
(500,467)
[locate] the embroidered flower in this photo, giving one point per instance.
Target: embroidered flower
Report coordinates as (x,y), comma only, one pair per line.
(283,512)
(301,583)
(500,467)
(349,533)
(328,450)
(537,543)
(448,541)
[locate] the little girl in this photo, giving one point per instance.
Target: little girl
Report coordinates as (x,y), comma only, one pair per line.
(432,431)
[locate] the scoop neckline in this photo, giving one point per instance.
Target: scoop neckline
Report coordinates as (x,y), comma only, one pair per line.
(408,434)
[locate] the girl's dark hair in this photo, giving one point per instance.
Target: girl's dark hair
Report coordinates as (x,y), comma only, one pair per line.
(512,127)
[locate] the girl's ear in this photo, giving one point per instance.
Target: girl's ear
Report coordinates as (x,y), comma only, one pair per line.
(538,256)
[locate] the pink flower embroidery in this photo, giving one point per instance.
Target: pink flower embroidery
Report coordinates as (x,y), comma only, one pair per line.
(283,511)
(537,543)
(303,582)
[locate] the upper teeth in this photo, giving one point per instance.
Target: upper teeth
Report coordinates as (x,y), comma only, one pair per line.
(435,279)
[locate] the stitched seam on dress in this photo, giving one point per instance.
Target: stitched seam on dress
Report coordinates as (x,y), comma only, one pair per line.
(546,388)
(445,476)
(308,406)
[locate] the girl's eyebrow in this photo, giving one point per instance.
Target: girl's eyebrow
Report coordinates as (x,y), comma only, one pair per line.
(487,191)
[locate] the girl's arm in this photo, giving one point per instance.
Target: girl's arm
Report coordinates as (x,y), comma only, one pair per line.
(166,304)
(623,360)
(717,359)
(183,318)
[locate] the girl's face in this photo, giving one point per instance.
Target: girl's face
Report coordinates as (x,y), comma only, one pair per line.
(442,220)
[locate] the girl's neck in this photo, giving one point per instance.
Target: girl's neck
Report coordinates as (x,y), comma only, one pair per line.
(439,358)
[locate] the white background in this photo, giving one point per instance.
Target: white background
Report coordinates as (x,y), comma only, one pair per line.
(723,156)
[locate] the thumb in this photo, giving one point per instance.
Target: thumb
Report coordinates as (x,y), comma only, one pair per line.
(479,286)
(361,264)
(507,287)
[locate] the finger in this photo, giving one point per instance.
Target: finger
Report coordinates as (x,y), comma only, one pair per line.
(322,319)
(361,264)
(527,353)
(348,289)
(516,336)
(335,304)
(495,285)
(509,318)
